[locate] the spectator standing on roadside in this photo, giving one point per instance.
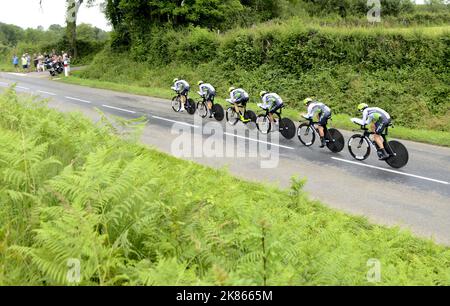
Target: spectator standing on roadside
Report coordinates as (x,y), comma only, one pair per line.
(24,63)
(29,62)
(41,62)
(16,62)
(35,62)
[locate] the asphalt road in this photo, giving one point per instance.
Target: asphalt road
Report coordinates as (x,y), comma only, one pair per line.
(416,197)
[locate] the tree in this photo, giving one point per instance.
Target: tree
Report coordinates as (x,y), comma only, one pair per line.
(11,34)
(72,7)
(87,32)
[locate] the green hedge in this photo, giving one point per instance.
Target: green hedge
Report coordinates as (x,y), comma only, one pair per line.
(403,70)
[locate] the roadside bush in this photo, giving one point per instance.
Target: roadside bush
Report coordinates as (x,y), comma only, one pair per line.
(405,71)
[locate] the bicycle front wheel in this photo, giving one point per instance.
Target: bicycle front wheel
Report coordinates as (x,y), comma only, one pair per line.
(359,147)
(399,154)
(306,135)
(232,116)
(202,109)
(176,104)
(263,124)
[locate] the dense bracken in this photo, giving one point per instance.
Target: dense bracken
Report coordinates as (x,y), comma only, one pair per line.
(71,190)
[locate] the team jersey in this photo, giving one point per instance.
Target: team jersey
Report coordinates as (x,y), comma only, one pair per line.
(374,114)
(271,99)
(317,107)
(237,95)
(180,85)
(206,88)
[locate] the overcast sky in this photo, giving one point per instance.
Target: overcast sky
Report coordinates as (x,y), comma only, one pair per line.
(29,14)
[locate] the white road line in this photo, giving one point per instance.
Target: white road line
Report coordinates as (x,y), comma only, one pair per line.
(392,171)
(16,73)
(47,93)
(121,109)
(21,87)
(56,79)
(261,141)
(173,121)
(79,100)
(4,84)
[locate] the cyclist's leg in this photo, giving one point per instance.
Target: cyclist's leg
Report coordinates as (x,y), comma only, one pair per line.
(244,109)
(210,99)
(273,111)
(323,121)
(236,108)
(378,129)
(185,93)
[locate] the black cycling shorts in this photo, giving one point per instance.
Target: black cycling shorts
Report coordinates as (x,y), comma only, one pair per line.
(210,96)
(242,101)
(323,119)
(275,108)
(381,126)
(185,91)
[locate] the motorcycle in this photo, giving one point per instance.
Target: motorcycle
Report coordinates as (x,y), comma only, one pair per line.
(54,68)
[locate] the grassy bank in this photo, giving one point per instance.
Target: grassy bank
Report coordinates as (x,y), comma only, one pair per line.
(342,121)
(402,70)
(73,190)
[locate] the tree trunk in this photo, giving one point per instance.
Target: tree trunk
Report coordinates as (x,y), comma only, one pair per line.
(71,20)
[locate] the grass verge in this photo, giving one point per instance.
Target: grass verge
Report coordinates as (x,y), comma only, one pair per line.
(341,121)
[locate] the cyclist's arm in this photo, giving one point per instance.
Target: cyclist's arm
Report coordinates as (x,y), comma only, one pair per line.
(176,86)
(201,92)
(365,119)
(265,102)
(311,111)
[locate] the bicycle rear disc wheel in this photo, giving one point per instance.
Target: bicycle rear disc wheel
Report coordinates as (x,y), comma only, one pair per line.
(359,147)
(250,115)
(176,104)
(232,116)
(335,141)
(202,109)
(399,154)
(287,128)
(190,107)
(218,112)
(263,124)
(306,135)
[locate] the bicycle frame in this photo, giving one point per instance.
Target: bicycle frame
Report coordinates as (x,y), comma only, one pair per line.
(367,133)
(203,99)
(244,108)
(313,124)
(278,112)
(179,97)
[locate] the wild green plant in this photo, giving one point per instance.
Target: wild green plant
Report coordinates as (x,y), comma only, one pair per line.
(72,190)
